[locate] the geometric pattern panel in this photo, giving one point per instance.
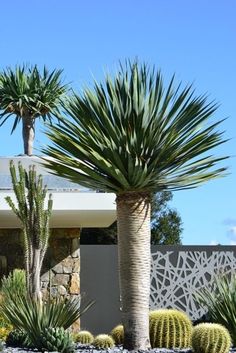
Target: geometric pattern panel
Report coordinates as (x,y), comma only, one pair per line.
(177,275)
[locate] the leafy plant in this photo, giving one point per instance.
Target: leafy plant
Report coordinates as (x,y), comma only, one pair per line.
(118,334)
(210,338)
(16,338)
(84,337)
(220,301)
(103,342)
(28,94)
(29,315)
(170,328)
(13,285)
(57,340)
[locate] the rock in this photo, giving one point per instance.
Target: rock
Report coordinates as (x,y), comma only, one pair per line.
(61,279)
(61,290)
(75,284)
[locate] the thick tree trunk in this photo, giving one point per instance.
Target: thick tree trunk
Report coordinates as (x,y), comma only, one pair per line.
(133,222)
(28,132)
(35,285)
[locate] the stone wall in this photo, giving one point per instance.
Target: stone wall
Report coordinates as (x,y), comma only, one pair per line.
(61,269)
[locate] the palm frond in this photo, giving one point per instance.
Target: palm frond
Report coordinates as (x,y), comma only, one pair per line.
(130,134)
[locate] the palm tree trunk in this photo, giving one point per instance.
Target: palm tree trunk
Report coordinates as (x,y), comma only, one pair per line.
(133,222)
(28,132)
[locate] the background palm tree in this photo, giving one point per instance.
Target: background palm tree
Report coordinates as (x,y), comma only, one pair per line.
(132,137)
(28,94)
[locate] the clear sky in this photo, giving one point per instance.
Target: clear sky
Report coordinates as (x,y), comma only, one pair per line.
(194,39)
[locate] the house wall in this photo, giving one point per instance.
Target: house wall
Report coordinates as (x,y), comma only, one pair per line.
(61,269)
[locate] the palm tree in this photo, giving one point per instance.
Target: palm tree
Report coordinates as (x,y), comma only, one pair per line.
(132,137)
(28,94)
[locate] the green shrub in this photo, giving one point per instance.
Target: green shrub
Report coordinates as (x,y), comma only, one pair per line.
(103,342)
(16,338)
(118,334)
(13,285)
(84,337)
(57,340)
(210,338)
(169,328)
(32,317)
(220,301)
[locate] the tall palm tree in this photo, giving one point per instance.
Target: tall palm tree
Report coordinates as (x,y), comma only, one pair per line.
(28,94)
(132,137)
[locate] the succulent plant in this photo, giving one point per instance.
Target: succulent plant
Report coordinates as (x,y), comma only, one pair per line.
(118,334)
(169,328)
(84,337)
(16,338)
(57,339)
(103,341)
(210,338)
(4,331)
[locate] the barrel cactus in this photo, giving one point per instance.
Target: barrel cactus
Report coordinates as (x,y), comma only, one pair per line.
(169,328)
(103,342)
(118,334)
(210,338)
(57,339)
(84,337)
(16,338)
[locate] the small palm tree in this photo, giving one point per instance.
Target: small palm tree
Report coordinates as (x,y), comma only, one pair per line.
(132,137)
(28,94)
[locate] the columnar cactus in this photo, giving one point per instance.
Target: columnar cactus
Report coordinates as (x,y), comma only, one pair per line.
(84,337)
(103,342)
(118,334)
(31,197)
(210,338)
(169,329)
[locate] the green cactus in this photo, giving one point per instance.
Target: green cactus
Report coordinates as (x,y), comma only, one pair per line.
(84,337)
(118,334)
(210,338)
(57,339)
(16,338)
(169,328)
(103,342)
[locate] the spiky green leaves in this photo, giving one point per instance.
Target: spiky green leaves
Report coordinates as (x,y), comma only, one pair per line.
(130,134)
(27,92)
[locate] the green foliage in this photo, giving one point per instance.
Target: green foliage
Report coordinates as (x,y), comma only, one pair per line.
(118,334)
(210,338)
(84,337)
(220,301)
(16,338)
(169,328)
(25,91)
(103,342)
(130,134)
(4,331)
(33,317)
(13,285)
(1,346)
(57,340)
(31,195)
(166,225)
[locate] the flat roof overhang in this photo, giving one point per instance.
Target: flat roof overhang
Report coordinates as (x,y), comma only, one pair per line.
(70,210)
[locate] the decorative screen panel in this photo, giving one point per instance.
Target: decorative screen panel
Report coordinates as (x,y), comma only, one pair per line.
(177,275)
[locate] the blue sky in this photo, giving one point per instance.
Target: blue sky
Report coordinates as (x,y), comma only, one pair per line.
(194,39)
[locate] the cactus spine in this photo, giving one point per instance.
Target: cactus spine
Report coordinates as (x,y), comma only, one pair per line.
(84,337)
(210,338)
(30,195)
(118,334)
(103,342)
(169,328)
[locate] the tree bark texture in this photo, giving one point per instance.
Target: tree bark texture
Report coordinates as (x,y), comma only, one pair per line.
(134,253)
(28,132)
(34,280)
